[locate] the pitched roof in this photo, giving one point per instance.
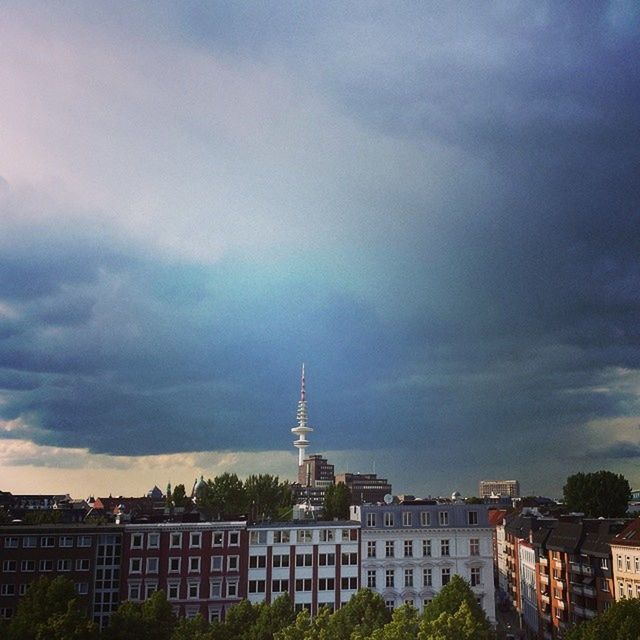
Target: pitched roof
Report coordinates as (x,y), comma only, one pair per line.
(630,535)
(565,537)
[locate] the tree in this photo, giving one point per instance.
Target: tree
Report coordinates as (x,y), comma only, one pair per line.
(600,494)
(238,621)
(192,629)
(224,497)
(298,630)
(272,618)
(337,500)
(266,496)
(178,497)
(404,625)
(152,620)
(454,610)
(51,609)
(362,615)
(620,622)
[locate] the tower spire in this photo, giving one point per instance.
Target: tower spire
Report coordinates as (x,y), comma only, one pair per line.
(301,415)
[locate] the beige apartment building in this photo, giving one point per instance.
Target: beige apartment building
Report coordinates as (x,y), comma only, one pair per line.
(625,551)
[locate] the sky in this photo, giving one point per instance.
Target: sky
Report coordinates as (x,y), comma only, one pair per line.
(434,206)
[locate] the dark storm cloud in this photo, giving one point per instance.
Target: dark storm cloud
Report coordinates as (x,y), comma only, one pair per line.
(490,296)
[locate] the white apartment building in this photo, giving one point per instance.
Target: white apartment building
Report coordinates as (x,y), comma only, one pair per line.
(625,551)
(317,563)
(528,591)
(410,550)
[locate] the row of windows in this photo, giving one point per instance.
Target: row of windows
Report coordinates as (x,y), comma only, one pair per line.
(408,518)
(303,584)
(408,548)
(628,563)
(138,591)
(193,563)
(302,536)
(409,577)
(175,539)
(629,591)
(31,542)
(27,566)
(82,588)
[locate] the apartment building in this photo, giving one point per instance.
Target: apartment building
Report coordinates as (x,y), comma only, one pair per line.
(625,549)
(317,563)
(411,550)
(202,566)
(505,488)
(88,555)
(365,487)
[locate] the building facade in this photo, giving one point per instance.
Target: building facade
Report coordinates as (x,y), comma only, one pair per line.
(365,487)
(315,471)
(410,551)
(202,567)
(505,488)
(625,549)
(316,563)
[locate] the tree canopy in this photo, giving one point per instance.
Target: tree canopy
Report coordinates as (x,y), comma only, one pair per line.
(620,622)
(600,494)
(337,500)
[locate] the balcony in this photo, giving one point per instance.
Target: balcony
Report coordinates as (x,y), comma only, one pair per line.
(545,598)
(560,583)
(580,569)
(579,611)
(588,591)
(560,604)
(544,562)
(590,613)
(558,564)
(544,578)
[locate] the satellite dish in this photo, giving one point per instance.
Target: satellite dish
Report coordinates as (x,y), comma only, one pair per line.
(388,499)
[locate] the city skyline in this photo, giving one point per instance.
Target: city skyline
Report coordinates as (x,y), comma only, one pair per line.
(435,207)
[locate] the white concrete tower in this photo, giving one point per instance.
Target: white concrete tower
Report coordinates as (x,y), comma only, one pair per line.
(302,429)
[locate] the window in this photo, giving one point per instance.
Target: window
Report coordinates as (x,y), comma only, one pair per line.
(303,584)
(604,585)
(280,561)
(388,549)
(150,589)
(215,614)
(173,590)
(8,590)
(627,563)
(281,537)
(409,601)
(234,538)
(371,579)
(84,541)
(47,541)
(193,589)
(474,547)
(408,577)
(408,548)
(636,562)
(46,565)
(135,565)
(371,549)
(195,540)
(257,562)
(426,548)
(22,588)
(326,535)
(216,563)
(9,565)
(620,563)
(425,519)
(279,586)
(134,591)
(443,518)
(217,540)
(426,602)
(136,541)
(174,564)
(475,576)
(152,565)
(629,590)
(349,583)
(349,535)
(6,612)
(175,540)
(11,543)
(153,541)
(446,575)
(232,588)
(64,565)
(444,547)
(28,565)
(427,578)
(472,517)
(349,559)
(29,542)
(66,541)
(326,584)
(82,588)
(406,518)
(389,604)
(258,537)
(233,563)
(304,559)
(604,563)
(371,519)
(305,535)
(389,578)
(388,519)
(194,564)
(257,586)
(327,559)
(215,588)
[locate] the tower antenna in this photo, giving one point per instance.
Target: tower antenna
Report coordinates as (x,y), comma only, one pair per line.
(301,415)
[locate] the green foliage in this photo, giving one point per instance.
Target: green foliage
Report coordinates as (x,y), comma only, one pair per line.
(192,629)
(474,500)
(337,500)
(151,620)
(178,497)
(45,516)
(266,496)
(403,626)
(620,622)
(454,614)
(298,630)
(362,615)
(50,610)
(602,493)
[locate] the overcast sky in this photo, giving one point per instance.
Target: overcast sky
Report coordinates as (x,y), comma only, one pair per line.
(435,206)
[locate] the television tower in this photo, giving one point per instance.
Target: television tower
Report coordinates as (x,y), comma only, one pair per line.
(302,429)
